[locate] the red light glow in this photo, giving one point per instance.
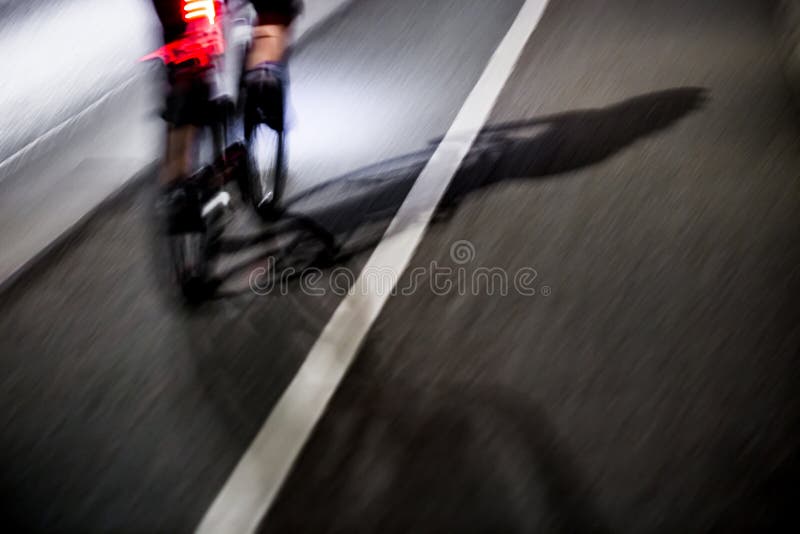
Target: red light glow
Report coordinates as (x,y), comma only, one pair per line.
(199,9)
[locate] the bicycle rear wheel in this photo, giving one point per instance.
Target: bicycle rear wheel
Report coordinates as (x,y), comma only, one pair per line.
(189,253)
(188,241)
(197,222)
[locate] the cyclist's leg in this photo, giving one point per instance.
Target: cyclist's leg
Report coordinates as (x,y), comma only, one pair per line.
(180,200)
(177,157)
(269,44)
(266,76)
(271,35)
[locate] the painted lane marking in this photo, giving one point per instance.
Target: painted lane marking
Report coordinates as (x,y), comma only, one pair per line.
(255,482)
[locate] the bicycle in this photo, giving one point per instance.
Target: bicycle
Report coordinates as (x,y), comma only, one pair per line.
(210,59)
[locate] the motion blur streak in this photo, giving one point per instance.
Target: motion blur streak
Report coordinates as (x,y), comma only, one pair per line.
(63,56)
(597,333)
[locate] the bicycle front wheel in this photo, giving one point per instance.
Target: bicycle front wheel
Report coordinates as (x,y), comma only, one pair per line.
(266,169)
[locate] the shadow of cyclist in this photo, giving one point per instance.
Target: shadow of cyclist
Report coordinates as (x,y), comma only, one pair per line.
(349,214)
(334,223)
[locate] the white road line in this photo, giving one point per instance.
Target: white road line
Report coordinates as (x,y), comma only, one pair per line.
(254,484)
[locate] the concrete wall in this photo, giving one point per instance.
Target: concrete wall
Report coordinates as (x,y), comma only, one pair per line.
(60,56)
(65,55)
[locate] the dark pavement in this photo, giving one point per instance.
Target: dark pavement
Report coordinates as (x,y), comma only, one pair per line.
(643,159)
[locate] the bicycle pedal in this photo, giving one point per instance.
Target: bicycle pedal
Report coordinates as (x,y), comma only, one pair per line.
(217,204)
(266,200)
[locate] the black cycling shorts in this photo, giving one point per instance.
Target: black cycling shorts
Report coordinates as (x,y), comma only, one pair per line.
(269,12)
(277,11)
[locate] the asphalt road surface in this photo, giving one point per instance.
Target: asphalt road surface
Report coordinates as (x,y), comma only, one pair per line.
(640,167)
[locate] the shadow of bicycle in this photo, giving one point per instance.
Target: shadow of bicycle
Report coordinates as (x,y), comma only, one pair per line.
(338,223)
(346,216)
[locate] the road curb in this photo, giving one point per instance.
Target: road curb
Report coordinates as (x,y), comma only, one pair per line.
(63,240)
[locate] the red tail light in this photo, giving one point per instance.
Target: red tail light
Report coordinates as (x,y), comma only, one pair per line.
(202,40)
(199,9)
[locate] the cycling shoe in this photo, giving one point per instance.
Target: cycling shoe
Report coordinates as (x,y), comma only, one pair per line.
(182,207)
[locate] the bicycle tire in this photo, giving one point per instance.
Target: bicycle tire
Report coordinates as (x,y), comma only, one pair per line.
(266,169)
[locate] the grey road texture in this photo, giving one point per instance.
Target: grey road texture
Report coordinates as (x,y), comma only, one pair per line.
(641,165)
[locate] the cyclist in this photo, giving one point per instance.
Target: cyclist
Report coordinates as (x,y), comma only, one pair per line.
(265,79)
